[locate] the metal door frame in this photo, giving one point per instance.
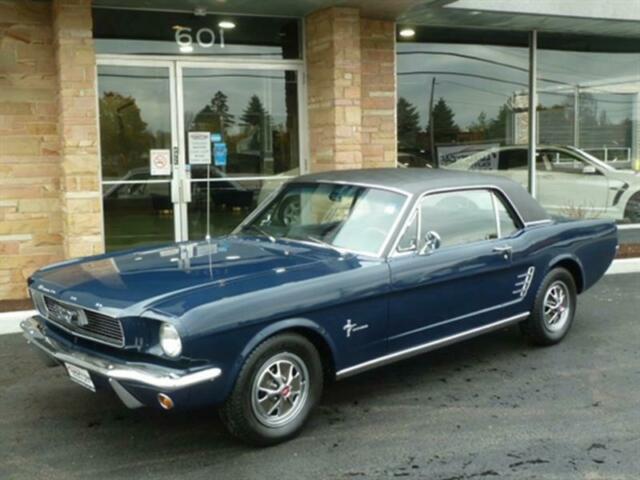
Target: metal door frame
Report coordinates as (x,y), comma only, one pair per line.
(143,62)
(175,66)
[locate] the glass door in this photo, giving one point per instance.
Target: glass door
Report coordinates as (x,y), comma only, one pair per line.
(188,149)
(249,115)
(137,140)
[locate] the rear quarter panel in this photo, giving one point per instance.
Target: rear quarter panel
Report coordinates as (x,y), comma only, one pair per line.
(590,244)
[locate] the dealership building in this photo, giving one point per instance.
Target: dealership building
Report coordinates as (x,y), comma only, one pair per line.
(127,123)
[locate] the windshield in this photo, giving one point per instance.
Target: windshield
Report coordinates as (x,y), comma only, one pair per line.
(342,216)
(595,160)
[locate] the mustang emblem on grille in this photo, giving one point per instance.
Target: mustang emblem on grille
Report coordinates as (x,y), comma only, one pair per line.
(67,315)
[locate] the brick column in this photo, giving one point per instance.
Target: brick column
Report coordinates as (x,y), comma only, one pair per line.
(81,202)
(333,73)
(379,131)
(351,90)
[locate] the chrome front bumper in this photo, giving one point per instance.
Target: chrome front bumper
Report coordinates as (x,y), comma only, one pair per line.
(160,378)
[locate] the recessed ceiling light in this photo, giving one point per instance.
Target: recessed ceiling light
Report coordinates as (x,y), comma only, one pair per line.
(226,24)
(407,32)
(186,48)
(475,12)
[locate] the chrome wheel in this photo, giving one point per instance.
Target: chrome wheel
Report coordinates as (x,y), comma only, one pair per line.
(280,390)
(556,306)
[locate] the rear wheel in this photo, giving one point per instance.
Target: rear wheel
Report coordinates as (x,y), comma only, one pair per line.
(278,386)
(554,309)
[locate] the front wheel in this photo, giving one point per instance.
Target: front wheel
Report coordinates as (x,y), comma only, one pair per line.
(278,386)
(632,210)
(553,310)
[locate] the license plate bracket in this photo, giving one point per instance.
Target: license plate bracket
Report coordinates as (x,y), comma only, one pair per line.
(81,376)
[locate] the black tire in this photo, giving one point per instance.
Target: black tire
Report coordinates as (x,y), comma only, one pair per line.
(540,328)
(632,209)
(245,416)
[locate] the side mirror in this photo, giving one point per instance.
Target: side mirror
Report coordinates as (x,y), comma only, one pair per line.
(589,170)
(432,242)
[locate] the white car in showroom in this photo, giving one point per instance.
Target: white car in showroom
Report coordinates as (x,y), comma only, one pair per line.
(570,181)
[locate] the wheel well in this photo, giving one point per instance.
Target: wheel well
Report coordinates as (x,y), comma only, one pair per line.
(318,341)
(574,269)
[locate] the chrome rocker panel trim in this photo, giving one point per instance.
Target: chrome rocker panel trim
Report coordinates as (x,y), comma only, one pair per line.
(429,346)
(161,378)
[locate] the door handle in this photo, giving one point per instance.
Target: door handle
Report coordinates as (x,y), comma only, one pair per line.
(504,250)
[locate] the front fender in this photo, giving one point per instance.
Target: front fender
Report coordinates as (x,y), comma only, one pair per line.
(273,329)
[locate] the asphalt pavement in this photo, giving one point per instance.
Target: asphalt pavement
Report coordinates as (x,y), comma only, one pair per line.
(490,408)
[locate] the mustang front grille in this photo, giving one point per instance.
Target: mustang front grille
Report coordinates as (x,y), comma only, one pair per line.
(81,322)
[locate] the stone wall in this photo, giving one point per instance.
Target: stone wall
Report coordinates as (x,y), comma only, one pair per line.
(50,204)
(30,217)
(351,90)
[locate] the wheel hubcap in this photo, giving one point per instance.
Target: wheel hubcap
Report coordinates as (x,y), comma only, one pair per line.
(280,390)
(556,306)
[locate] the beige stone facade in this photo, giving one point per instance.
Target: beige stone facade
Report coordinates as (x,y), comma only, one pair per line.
(49,177)
(351,90)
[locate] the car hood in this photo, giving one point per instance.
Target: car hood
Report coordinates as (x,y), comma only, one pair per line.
(138,279)
(628,176)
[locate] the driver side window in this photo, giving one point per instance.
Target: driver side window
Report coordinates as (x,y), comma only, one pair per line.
(563,162)
(459,217)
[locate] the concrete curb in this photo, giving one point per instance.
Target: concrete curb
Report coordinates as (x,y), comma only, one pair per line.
(10,321)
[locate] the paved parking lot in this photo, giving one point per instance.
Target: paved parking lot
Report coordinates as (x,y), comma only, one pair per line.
(492,407)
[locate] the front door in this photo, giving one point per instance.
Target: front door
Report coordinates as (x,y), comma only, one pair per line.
(467,279)
(189,148)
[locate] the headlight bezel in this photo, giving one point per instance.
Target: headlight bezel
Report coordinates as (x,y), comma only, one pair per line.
(169,340)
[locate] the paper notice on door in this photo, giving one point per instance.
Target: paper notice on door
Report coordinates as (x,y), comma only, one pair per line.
(199,148)
(160,162)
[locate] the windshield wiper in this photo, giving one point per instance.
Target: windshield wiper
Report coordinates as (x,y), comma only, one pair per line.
(323,243)
(260,230)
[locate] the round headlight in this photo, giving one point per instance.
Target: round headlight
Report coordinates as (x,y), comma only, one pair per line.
(170,340)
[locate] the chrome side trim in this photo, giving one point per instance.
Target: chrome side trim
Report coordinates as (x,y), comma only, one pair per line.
(375,186)
(524,282)
(161,378)
(429,346)
(538,222)
(461,317)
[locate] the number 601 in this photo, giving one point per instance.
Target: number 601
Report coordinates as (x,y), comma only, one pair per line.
(205,37)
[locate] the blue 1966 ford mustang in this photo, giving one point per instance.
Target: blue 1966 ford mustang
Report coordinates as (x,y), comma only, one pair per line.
(334,274)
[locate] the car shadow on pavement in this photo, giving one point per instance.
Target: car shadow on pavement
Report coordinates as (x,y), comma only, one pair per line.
(433,377)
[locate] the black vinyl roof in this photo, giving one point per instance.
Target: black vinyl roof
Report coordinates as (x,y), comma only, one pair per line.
(415,181)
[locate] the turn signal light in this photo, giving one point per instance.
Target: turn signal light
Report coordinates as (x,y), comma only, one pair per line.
(165,401)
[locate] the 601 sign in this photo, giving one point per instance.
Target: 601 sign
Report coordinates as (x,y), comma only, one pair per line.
(204,37)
